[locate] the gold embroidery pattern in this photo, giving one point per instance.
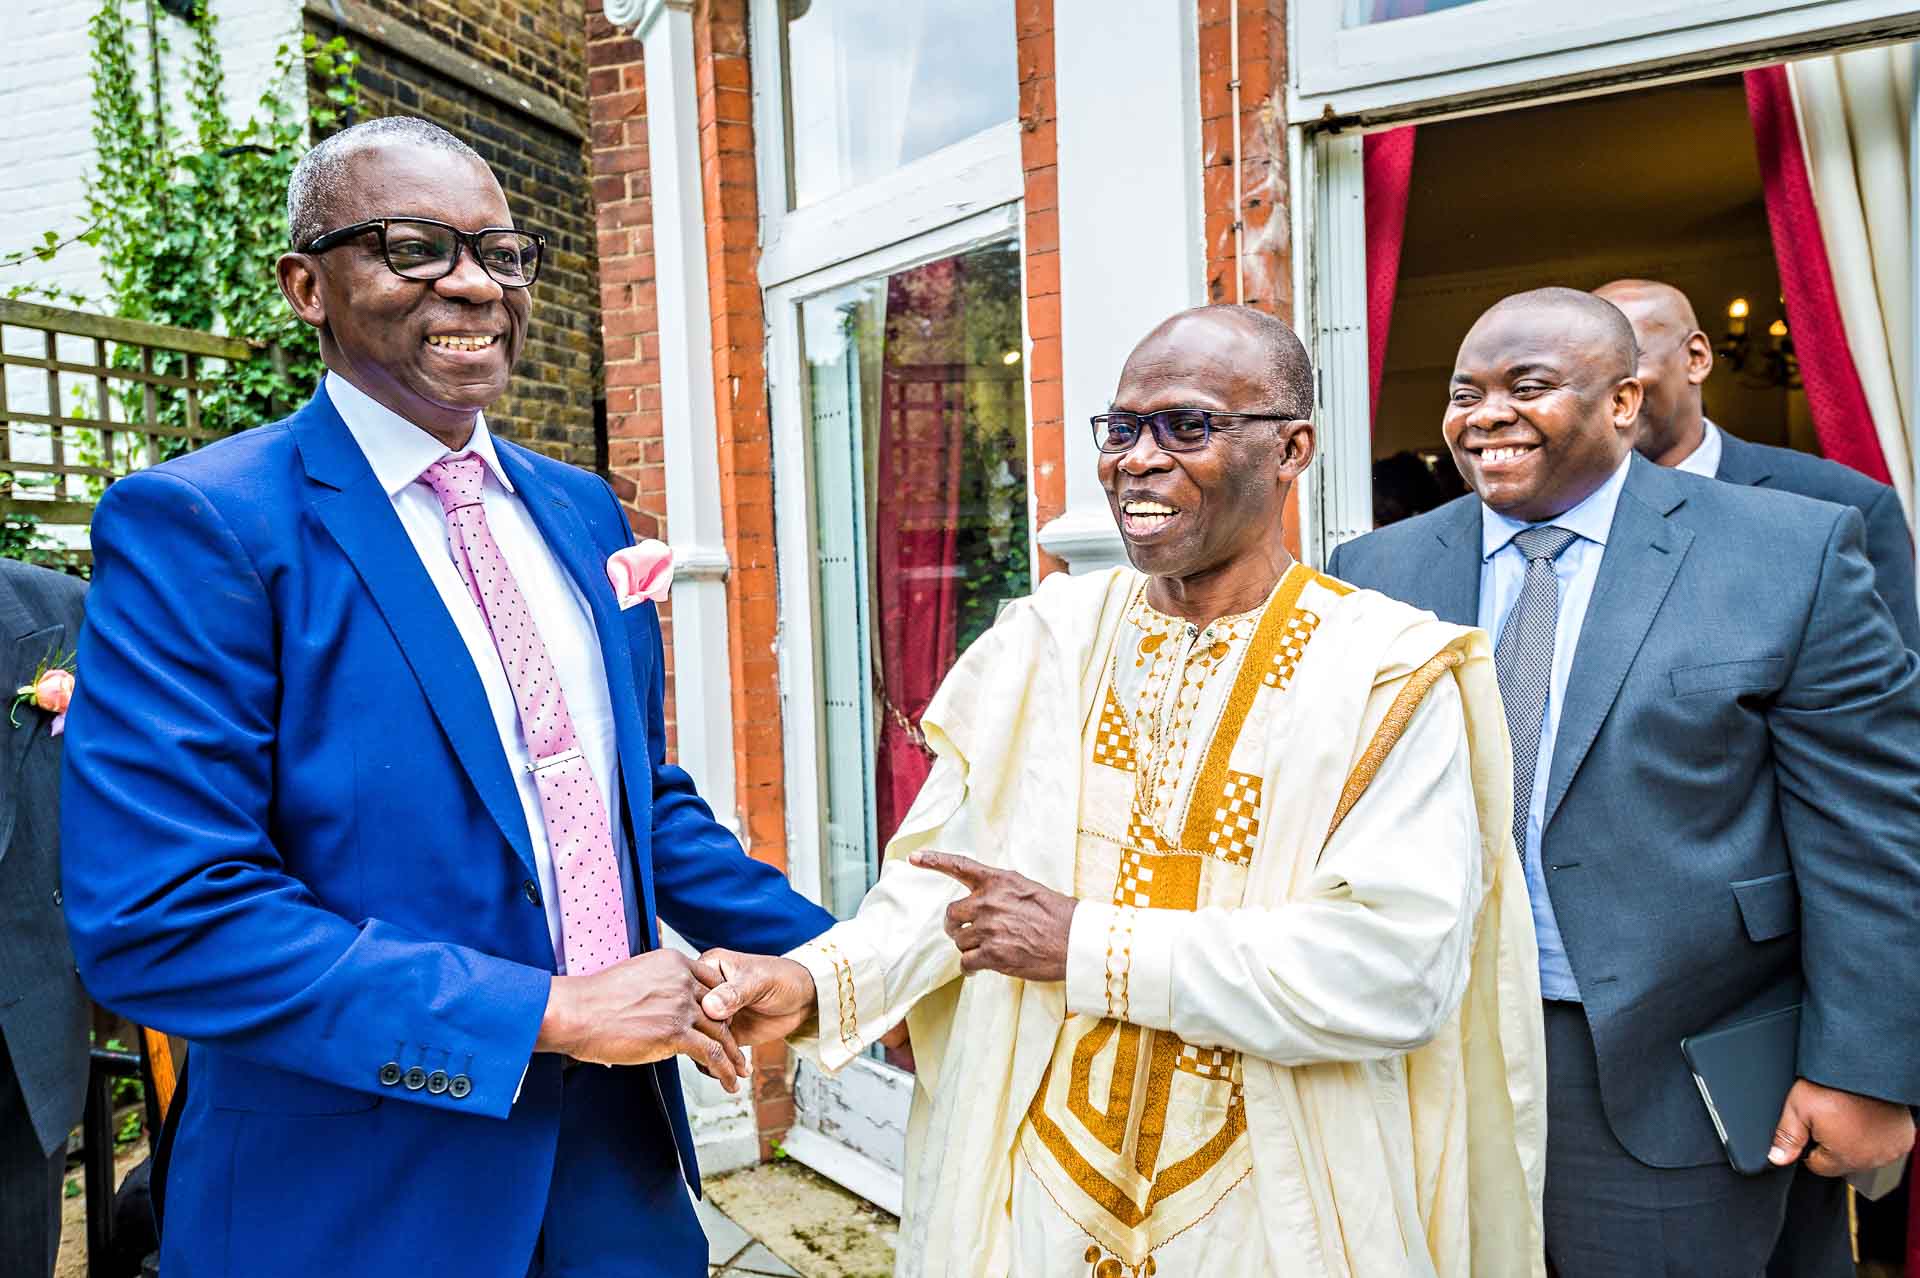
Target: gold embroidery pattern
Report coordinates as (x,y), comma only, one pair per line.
(843,990)
(1206,1062)
(1293,644)
(1236,821)
(1113,742)
(1387,735)
(1120,933)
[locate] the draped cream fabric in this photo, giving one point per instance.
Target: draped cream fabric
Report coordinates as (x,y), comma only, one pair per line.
(1394,1102)
(1855,114)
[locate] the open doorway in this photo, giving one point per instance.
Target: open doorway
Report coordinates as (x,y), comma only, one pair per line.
(1661,183)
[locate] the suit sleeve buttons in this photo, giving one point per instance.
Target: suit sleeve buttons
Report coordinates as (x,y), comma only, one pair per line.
(459,1087)
(416,1078)
(390,1074)
(438,1082)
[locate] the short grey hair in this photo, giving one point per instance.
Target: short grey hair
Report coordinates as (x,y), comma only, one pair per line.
(314,190)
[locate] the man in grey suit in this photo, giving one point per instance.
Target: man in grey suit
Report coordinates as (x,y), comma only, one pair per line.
(1676,357)
(43,1012)
(1717,789)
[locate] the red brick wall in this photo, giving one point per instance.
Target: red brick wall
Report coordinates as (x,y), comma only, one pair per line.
(723,83)
(630,325)
(1261,207)
(1039,156)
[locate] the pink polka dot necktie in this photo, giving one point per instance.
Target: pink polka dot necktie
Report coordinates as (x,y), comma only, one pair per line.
(593,911)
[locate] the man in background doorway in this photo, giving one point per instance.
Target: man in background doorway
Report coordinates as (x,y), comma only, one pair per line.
(1675,359)
(1715,733)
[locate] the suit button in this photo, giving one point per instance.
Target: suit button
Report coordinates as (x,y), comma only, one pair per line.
(459,1086)
(416,1079)
(437,1082)
(531,891)
(57,898)
(390,1073)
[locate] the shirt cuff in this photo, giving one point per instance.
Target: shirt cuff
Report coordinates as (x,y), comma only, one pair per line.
(1120,963)
(849,992)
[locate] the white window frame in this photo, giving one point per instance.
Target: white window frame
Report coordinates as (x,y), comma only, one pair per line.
(850,1126)
(1461,60)
(1328,210)
(976,173)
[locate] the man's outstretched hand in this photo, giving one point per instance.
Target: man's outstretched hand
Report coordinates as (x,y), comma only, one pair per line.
(761,997)
(1840,1132)
(1008,924)
(641,1010)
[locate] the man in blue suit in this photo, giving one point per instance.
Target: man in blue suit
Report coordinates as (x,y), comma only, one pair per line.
(1717,789)
(1675,359)
(367,795)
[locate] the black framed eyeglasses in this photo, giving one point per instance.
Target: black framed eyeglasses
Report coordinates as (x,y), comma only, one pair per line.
(1176,430)
(419,248)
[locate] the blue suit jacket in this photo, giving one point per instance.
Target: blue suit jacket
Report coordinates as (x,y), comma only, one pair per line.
(292,837)
(1889,548)
(1733,807)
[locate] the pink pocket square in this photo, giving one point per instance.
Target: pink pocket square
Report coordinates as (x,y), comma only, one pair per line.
(641,573)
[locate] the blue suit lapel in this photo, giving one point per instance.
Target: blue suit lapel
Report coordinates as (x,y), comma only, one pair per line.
(1449,586)
(567,534)
(1644,552)
(356,511)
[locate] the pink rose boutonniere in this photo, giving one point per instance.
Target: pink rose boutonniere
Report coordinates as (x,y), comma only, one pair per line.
(641,573)
(50,691)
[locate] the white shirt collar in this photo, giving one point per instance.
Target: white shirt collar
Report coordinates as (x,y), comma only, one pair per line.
(398,451)
(1591,519)
(1705,458)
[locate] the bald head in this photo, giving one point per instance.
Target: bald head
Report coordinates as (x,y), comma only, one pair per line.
(1597,325)
(1675,358)
(1231,346)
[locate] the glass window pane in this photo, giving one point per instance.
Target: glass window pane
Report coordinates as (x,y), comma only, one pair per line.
(1361,13)
(918,420)
(874,84)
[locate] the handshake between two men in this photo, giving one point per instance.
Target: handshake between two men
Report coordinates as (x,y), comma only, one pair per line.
(662,1003)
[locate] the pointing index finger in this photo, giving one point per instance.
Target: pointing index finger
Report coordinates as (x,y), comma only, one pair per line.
(953,865)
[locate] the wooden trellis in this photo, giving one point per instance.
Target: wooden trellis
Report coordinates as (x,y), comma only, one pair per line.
(105,407)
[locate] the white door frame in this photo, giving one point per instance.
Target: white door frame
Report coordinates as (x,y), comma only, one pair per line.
(851,1126)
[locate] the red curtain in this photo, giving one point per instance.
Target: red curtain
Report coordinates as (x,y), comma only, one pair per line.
(1841,417)
(916,521)
(1387,170)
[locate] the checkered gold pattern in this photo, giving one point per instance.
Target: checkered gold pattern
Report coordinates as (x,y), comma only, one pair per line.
(1113,739)
(1206,1062)
(1294,635)
(1236,820)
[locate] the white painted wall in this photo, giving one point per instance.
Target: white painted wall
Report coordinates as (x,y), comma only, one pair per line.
(46,113)
(1131,222)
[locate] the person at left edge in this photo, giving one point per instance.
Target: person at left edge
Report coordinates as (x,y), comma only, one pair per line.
(367,796)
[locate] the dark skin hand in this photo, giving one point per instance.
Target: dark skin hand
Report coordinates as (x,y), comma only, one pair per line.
(765,998)
(1007,923)
(1840,1132)
(641,1010)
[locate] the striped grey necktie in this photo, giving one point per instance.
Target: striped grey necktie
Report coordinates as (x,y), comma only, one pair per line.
(1524,661)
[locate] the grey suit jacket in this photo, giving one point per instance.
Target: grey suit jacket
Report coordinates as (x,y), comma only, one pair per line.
(1889,548)
(1733,806)
(43,1011)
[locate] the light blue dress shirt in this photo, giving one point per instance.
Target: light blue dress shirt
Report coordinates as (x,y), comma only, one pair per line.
(1503,570)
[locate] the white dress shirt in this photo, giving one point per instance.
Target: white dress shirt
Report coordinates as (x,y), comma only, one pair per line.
(1503,571)
(399,453)
(1704,459)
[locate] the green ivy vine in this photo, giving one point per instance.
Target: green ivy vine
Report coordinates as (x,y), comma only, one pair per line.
(188,223)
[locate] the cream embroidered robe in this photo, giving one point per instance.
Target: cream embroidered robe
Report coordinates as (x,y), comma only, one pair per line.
(1300,1027)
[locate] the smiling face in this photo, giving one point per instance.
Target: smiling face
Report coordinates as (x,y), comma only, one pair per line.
(1189,515)
(1543,405)
(435,352)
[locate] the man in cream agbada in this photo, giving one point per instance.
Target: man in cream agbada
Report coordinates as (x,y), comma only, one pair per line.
(1208,925)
